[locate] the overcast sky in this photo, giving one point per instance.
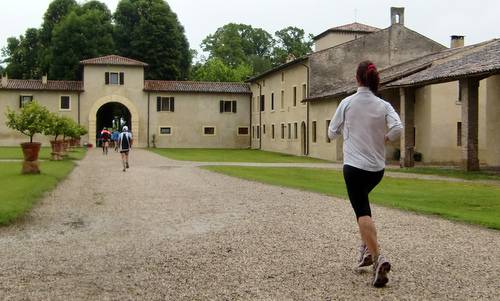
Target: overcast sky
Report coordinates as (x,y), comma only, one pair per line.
(477,20)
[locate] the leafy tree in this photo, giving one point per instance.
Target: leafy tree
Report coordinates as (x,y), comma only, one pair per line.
(79,37)
(235,44)
(32,119)
(215,70)
(55,126)
(23,55)
(96,5)
(291,40)
(148,30)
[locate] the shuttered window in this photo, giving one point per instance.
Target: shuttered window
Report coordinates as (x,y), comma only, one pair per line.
(165,104)
(227,106)
(114,78)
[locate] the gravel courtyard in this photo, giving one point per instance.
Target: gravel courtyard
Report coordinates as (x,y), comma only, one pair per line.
(168,230)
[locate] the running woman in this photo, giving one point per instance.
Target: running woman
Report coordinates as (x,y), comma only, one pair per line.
(125,143)
(366,123)
(105,137)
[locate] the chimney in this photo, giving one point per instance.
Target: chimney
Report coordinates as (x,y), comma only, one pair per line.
(5,80)
(44,79)
(457,41)
(397,15)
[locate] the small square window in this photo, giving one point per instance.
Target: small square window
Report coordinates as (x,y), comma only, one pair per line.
(65,103)
(209,130)
(114,78)
(165,131)
(25,99)
(243,131)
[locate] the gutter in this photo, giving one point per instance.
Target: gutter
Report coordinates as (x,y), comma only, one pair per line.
(149,94)
(306,151)
(260,116)
(79,108)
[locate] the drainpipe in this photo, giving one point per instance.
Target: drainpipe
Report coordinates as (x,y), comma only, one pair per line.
(307,111)
(79,107)
(260,116)
(149,94)
(250,124)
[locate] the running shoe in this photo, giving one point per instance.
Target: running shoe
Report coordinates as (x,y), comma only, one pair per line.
(381,268)
(365,257)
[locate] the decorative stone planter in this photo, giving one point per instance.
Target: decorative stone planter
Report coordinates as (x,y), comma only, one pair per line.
(57,150)
(31,150)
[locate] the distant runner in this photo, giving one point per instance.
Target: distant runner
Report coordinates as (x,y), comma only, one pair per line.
(125,144)
(105,137)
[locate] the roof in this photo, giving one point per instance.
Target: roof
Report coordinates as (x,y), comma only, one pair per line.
(52,85)
(399,75)
(349,28)
(113,60)
(201,87)
(481,60)
(278,68)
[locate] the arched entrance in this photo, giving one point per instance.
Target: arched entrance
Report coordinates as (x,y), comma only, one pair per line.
(102,113)
(112,115)
(303,137)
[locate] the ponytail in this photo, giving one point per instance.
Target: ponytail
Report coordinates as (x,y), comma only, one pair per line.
(367,75)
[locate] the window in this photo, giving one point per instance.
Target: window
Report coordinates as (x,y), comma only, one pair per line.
(289,131)
(282,131)
(313,132)
(243,131)
(228,106)
(263,83)
(258,132)
(165,104)
(65,103)
(295,134)
(326,131)
(304,91)
(24,99)
(282,99)
(459,100)
(253,132)
(114,78)
(272,131)
(272,101)
(262,103)
(282,76)
(263,129)
(209,131)
(294,96)
(165,130)
(459,134)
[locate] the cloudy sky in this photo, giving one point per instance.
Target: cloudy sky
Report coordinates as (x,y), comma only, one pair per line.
(477,20)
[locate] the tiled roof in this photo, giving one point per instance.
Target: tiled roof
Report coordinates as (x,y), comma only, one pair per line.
(353,27)
(113,60)
(52,85)
(396,75)
(481,60)
(202,87)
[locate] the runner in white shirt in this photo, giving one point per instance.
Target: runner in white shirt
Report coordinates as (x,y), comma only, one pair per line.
(125,144)
(366,123)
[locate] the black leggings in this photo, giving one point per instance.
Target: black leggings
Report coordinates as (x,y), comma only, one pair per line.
(359,183)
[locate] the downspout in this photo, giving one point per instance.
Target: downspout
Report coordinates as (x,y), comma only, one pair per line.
(149,93)
(307,110)
(250,124)
(79,107)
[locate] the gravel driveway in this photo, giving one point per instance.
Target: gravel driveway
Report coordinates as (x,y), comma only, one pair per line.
(167,230)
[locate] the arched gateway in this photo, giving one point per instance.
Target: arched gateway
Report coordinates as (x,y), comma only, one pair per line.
(134,114)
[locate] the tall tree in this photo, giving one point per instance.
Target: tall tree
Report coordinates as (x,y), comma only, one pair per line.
(148,30)
(79,37)
(215,70)
(23,55)
(291,41)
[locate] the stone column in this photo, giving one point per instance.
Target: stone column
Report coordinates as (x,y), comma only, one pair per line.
(407,97)
(469,93)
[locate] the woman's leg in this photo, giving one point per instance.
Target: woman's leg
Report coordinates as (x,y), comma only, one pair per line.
(369,234)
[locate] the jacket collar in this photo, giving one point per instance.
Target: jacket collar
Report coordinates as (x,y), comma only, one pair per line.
(363,89)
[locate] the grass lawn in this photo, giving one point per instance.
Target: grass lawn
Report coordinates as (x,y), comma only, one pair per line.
(451,172)
(472,203)
(231,155)
(16,153)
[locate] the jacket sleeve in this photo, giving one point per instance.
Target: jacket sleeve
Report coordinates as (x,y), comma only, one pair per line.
(394,124)
(337,122)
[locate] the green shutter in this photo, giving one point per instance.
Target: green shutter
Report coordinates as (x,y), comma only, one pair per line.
(172,104)
(122,78)
(222,106)
(106,78)
(158,104)
(234,106)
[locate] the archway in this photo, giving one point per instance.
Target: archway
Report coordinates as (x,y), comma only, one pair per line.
(132,122)
(303,137)
(112,115)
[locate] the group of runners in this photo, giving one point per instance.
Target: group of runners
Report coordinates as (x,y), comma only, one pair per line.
(121,141)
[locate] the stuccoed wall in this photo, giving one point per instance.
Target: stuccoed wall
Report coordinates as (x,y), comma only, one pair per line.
(492,113)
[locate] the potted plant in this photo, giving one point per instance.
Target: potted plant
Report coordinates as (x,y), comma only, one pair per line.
(55,127)
(68,131)
(31,120)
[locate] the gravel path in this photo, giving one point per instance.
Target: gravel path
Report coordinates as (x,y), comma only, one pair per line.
(168,230)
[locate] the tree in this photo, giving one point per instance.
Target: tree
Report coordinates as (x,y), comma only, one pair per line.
(23,55)
(291,40)
(79,37)
(148,30)
(215,70)
(235,44)
(30,121)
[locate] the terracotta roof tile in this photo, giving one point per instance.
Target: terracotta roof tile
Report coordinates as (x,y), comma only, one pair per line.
(353,27)
(113,60)
(189,86)
(52,85)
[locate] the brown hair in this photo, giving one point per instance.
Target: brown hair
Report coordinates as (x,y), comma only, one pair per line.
(367,75)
